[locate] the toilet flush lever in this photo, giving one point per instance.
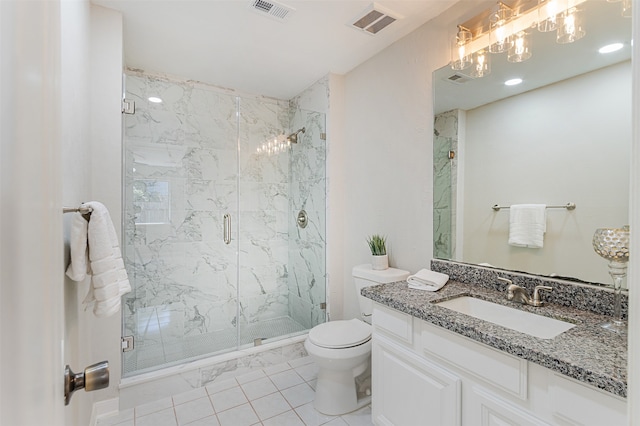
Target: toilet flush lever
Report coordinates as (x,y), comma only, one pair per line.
(93,377)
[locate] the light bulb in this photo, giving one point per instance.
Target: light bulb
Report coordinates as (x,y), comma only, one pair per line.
(570,26)
(547,15)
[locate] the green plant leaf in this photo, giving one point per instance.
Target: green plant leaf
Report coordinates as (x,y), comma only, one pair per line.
(377,245)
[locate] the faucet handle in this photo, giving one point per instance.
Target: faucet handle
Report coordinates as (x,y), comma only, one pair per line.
(536,294)
(505,280)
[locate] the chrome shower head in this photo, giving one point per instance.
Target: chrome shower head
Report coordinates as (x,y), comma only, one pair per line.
(293,137)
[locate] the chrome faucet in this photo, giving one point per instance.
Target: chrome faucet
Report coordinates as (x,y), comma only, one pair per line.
(519,294)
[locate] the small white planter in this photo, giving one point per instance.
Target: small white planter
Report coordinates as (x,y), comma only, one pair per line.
(380,263)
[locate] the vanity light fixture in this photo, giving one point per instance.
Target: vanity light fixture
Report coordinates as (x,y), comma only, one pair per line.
(609,48)
(500,29)
(520,49)
(508,29)
(547,15)
(570,26)
(481,64)
(154,99)
(627,8)
(513,82)
(460,54)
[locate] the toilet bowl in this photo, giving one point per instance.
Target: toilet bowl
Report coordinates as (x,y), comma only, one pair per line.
(342,350)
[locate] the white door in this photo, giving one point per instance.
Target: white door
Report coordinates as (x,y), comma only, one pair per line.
(31,261)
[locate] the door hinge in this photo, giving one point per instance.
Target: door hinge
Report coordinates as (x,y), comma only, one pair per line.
(128,106)
(323,305)
(323,136)
(127,343)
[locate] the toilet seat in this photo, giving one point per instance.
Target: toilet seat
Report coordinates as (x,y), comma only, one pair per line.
(340,334)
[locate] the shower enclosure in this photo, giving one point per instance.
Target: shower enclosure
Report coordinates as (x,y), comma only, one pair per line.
(215,254)
(445,163)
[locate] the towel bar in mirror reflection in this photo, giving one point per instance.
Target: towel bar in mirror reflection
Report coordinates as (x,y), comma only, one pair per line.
(568,206)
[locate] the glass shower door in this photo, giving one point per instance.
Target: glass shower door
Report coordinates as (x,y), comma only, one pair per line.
(181,179)
(443,151)
(282,265)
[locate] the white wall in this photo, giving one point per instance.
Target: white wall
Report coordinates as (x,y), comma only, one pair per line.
(566,142)
(335,196)
(387,159)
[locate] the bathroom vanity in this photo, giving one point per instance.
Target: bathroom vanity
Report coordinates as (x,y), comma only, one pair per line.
(435,366)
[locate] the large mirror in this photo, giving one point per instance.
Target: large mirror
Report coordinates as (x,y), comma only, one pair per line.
(561,136)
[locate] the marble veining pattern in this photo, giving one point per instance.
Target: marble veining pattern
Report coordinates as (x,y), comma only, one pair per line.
(445,139)
(586,352)
(188,161)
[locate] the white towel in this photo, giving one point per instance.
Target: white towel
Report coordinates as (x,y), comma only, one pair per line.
(427,280)
(527,225)
(98,241)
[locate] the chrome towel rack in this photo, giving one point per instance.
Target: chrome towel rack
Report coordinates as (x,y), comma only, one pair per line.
(568,206)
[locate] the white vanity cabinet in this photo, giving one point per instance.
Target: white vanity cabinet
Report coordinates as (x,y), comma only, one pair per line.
(426,375)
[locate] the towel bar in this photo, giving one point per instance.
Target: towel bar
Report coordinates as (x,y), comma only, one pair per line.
(568,206)
(81,209)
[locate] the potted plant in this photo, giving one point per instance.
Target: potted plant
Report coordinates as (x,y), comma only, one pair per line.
(379,257)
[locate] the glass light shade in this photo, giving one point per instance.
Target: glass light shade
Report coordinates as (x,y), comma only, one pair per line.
(460,56)
(500,30)
(520,49)
(626,8)
(547,15)
(570,26)
(481,64)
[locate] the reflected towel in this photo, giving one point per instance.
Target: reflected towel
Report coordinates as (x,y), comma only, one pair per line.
(527,225)
(109,281)
(427,280)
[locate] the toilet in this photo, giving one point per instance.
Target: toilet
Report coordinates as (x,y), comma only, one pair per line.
(342,350)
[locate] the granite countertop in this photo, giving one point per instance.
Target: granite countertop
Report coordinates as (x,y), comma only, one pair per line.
(586,352)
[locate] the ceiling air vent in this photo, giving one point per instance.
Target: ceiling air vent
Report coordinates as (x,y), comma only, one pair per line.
(271,9)
(374,19)
(458,78)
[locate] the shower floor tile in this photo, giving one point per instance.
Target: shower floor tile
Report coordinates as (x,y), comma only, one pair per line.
(276,396)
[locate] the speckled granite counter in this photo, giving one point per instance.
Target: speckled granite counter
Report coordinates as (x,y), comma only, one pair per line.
(586,352)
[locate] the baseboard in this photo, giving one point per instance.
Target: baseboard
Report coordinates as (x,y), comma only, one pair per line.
(103,408)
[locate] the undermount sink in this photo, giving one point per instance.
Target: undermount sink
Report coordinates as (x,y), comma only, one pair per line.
(515,319)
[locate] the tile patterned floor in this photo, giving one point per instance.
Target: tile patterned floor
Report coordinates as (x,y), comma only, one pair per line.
(280,395)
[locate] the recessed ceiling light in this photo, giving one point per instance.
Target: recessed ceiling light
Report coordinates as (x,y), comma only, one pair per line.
(154,99)
(611,48)
(513,82)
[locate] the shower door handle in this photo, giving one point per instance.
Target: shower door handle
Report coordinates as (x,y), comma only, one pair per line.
(227,229)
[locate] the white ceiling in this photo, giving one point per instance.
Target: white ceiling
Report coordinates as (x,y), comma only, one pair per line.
(226,43)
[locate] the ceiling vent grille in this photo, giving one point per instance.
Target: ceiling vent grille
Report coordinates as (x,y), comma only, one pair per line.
(374,19)
(271,9)
(458,78)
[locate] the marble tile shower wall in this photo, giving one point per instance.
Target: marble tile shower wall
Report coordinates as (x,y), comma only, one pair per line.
(181,177)
(307,254)
(444,177)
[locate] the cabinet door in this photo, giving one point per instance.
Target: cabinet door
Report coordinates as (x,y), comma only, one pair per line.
(408,390)
(483,408)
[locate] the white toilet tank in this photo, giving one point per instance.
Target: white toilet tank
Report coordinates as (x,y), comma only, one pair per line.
(366,276)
